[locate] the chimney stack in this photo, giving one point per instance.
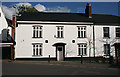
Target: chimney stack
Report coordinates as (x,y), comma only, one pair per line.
(88,10)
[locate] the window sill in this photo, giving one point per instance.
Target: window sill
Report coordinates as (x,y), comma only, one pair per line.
(37,37)
(81,37)
(117,37)
(36,55)
(59,37)
(82,55)
(106,55)
(106,37)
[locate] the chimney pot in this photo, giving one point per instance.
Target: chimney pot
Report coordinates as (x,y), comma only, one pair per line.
(88,10)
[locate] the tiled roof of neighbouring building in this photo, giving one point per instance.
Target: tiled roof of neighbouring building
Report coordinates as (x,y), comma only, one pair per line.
(99,19)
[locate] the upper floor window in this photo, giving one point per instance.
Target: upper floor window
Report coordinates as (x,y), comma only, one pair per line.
(106,49)
(82,49)
(117,32)
(59,31)
(37,31)
(81,32)
(37,49)
(106,31)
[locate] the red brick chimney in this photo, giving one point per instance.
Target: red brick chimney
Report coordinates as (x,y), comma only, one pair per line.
(88,11)
(13,36)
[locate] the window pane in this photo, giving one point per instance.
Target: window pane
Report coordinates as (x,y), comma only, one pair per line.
(37,33)
(117,32)
(36,51)
(58,28)
(81,33)
(106,31)
(84,45)
(40,50)
(84,33)
(117,29)
(33,31)
(79,51)
(78,33)
(107,49)
(40,45)
(36,45)
(82,50)
(85,51)
(33,27)
(59,48)
(40,33)
(61,33)
(81,28)
(58,33)
(84,28)
(40,27)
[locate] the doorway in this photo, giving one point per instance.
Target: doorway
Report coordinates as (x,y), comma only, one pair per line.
(60,56)
(60,51)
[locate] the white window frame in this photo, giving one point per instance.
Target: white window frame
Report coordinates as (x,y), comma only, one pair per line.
(106,50)
(35,49)
(61,31)
(82,47)
(116,32)
(80,30)
(37,31)
(108,32)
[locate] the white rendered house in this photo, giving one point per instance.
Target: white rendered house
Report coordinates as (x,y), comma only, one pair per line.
(3,24)
(66,35)
(5,36)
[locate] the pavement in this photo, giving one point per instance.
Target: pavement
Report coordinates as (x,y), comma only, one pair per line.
(56,68)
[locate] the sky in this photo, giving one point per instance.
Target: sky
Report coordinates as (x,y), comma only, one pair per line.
(111,8)
(59,0)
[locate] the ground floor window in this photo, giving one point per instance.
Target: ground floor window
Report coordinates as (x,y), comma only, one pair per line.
(37,49)
(106,49)
(82,49)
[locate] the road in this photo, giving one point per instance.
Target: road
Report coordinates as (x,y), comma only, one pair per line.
(56,68)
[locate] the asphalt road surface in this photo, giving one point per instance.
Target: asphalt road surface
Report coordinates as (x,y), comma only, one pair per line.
(56,68)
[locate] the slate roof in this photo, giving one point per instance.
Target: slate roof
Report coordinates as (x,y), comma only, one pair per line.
(99,19)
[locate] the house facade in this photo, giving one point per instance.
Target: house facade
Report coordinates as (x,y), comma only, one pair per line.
(66,35)
(5,37)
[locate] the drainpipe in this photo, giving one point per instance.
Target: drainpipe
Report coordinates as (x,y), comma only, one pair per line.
(13,35)
(94,41)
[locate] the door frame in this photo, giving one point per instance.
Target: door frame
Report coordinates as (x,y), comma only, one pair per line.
(57,52)
(57,45)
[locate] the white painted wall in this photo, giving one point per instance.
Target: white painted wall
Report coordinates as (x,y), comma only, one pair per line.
(24,40)
(3,22)
(100,40)
(3,25)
